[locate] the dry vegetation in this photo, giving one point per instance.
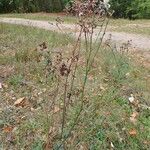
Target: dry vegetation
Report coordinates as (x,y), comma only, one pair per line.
(60,93)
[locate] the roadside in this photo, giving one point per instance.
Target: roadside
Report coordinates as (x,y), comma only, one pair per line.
(41,16)
(120,25)
(138,41)
(140,45)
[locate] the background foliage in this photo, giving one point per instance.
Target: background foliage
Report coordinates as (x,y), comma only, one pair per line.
(31,5)
(132,9)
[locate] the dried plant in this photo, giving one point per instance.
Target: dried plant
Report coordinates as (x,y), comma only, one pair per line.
(91,15)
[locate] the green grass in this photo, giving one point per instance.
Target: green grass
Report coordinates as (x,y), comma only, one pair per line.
(131,26)
(106,113)
(140,26)
(135,30)
(120,22)
(42,16)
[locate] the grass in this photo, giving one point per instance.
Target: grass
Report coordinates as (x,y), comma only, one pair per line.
(120,22)
(131,26)
(105,118)
(118,25)
(42,16)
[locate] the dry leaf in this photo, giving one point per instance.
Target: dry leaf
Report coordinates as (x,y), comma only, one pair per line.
(133,117)
(8,129)
(136,103)
(146,142)
(133,120)
(112,145)
(32,109)
(5,86)
(20,102)
(90,77)
(102,88)
(133,132)
(131,99)
(108,113)
(51,130)
(56,109)
(134,114)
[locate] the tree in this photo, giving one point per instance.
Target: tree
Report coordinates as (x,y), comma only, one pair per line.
(139,9)
(7,6)
(120,7)
(132,9)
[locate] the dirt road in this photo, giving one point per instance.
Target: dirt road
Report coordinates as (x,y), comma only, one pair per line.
(138,41)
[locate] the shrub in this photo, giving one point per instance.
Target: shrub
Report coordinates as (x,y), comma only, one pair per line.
(7,6)
(134,9)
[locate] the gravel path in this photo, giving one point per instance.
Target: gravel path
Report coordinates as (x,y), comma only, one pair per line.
(138,41)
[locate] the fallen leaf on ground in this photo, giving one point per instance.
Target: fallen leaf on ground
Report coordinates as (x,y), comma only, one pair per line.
(112,145)
(133,132)
(5,86)
(90,77)
(56,109)
(102,88)
(20,102)
(108,113)
(146,142)
(51,130)
(32,109)
(133,117)
(8,129)
(134,114)
(131,99)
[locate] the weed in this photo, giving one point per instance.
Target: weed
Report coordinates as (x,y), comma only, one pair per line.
(77,90)
(15,80)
